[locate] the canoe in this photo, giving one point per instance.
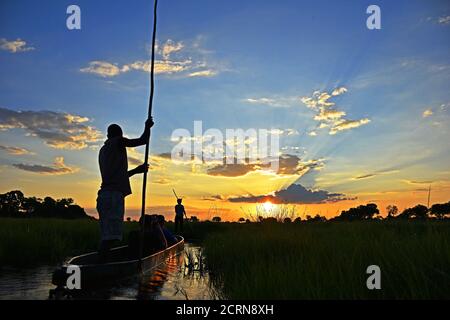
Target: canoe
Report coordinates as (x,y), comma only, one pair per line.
(93,274)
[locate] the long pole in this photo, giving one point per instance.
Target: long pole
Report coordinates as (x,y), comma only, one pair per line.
(150,108)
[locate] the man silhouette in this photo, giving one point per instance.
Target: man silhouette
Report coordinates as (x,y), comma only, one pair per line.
(113,162)
(179,212)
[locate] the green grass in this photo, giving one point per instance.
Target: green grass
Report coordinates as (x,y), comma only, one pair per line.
(30,242)
(274,261)
(329,260)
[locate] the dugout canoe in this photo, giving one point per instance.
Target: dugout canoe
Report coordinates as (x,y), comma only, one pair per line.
(120,267)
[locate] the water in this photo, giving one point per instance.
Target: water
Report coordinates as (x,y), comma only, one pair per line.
(181,277)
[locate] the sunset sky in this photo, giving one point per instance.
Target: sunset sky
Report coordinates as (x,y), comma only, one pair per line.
(363,115)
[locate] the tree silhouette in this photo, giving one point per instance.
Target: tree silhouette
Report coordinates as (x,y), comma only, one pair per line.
(418,212)
(15,204)
(392,211)
(440,210)
(359,213)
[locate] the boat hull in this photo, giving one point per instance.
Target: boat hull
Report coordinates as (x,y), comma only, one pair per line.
(93,274)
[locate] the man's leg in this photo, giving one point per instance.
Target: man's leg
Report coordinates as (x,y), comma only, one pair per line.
(181,224)
(176,224)
(103,250)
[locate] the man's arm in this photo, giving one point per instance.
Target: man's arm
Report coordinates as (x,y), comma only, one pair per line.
(142,140)
(139,169)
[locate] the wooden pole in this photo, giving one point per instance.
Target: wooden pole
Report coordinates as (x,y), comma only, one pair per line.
(150,109)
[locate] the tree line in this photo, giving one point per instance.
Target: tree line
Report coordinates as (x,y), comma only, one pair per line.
(14,204)
(439,211)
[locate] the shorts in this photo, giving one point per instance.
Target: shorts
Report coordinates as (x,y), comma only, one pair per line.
(111,210)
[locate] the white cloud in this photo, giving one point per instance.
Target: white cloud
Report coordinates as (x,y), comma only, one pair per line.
(276,102)
(103,69)
(173,58)
(15,46)
(444,20)
(347,124)
(427,113)
(170,47)
(330,117)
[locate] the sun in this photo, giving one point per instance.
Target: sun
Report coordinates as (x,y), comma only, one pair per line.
(268,206)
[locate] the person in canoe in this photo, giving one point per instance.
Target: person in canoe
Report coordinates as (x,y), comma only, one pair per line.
(180,213)
(167,234)
(113,162)
(153,241)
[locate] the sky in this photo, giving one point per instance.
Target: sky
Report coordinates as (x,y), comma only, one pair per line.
(362,115)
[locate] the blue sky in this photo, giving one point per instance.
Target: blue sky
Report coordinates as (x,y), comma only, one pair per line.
(235,54)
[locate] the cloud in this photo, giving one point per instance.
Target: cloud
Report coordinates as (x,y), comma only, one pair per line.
(427,113)
(444,20)
(102,68)
(59,168)
(327,115)
(284,132)
(203,73)
(377,173)
(162,181)
(288,165)
(294,194)
(173,58)
(15,151)
(170,47)
(217,197)
(15,46)
(276,102)
(339,91)
(419,182)
(365,176)
(347,124)
(59,130)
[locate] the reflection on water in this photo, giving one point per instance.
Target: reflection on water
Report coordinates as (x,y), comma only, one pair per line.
(181,277)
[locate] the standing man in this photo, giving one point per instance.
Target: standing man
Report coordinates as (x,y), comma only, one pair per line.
(115,186)
(179,213)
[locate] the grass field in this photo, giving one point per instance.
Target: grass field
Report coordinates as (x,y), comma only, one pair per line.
(30,242)
(329,260)
(272,260)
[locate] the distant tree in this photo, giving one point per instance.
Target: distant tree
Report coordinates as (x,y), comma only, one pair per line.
(287,220)
(392,211)
(11,203)
(298,220)
(15,204)
(241,220)
(317,218)
(418,212)
(247,221)
(193,219)
(128,219)
(216,219)
(359,213)
(440,210)
(270,220)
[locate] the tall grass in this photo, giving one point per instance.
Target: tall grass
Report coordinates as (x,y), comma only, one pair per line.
(29,242)
(329,260)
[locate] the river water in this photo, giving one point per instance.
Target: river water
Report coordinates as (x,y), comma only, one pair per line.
(181,277)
